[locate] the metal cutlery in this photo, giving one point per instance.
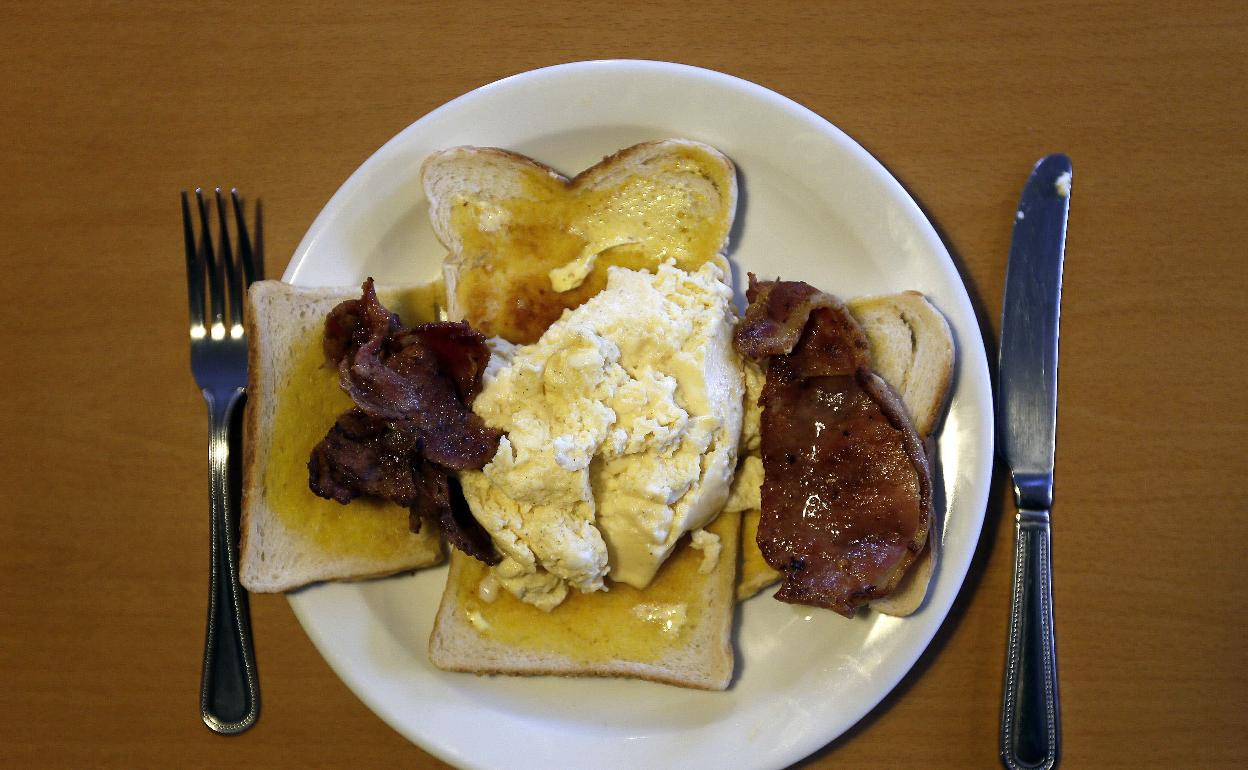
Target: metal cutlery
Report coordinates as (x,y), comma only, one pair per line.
(1027,426)
(229,691)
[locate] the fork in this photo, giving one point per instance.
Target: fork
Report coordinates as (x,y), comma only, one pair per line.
(229,691)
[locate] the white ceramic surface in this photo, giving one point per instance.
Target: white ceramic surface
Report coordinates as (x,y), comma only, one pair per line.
(815,207)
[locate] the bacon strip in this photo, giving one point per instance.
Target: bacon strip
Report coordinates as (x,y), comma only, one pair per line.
(412,421)
(777,316)
(362,455)
(846,488)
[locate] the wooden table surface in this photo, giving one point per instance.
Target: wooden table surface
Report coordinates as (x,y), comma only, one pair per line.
(110,108)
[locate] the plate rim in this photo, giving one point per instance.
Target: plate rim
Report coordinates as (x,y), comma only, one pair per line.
(970,343)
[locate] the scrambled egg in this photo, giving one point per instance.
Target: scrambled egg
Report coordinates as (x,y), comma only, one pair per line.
(755,378)
(574,273)
(747,486)
(622,422)
(708,543)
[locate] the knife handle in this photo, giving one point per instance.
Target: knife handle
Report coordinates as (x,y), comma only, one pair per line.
(1031,732)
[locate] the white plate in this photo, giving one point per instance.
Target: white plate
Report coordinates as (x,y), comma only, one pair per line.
(814,206)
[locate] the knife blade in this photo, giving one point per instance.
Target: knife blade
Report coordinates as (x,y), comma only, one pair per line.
(1027,428)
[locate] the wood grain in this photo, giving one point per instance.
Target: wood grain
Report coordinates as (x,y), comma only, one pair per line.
(110,108)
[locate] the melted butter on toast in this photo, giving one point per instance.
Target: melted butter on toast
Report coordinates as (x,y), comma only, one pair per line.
(677,206)
(620,624)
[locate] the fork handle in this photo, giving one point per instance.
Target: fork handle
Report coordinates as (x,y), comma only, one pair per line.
(1030,718)
(229,695)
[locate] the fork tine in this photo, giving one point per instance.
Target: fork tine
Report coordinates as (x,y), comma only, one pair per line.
(194,270)
(244,241)
(234,281)
(258,250)
(216,289)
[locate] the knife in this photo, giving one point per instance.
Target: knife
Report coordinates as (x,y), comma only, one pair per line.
(1027,426)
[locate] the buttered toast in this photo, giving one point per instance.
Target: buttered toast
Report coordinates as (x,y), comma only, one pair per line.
(291,537)
(673,632)
(525,244)
(911,347)
(509,222)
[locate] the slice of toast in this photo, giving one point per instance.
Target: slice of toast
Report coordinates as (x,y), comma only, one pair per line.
(911,347)
(291,537)
(676,631)
(509,221)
